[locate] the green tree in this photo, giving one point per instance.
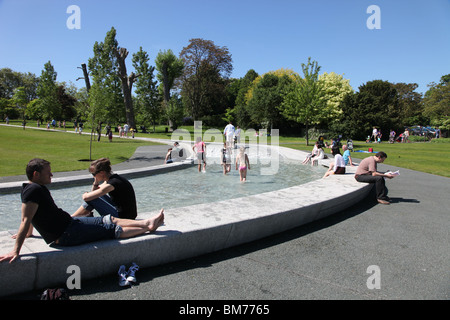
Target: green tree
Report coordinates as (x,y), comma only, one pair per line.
(174,111)
(240,112)
(437,102)
(304,103)
(376,104)
(335,88)
(147,97)
(47,92)
(66,103)
(105,96)
(206,67)
(266,100)
(21,100)
(410,104)
(169,68)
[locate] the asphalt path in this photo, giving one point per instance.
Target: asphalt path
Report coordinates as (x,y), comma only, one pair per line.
(367,252)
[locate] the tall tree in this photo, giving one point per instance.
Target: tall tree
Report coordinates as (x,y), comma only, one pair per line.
(304,103)
(66,103)
(21,100)
(205,67)
(47,91)
(267,95)
(376,104)
(169,68)
(127,84)
(146,92)
(106,98)
(240,111)
(437,102)
(335,88)
(410,103)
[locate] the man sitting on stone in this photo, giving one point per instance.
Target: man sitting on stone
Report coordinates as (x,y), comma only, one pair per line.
(57,226)
(367,172)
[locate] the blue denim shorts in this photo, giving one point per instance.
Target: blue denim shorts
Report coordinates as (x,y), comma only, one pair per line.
(89,229)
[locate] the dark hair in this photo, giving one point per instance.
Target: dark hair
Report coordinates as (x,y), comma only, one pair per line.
(35,164)
(381,154)
(335,150)
(98,165)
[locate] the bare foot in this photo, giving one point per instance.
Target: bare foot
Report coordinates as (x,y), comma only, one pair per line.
(156,221)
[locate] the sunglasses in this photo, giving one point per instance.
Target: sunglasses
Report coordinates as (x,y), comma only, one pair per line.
(95,173)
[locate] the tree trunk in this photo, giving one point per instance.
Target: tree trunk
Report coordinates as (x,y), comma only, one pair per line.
(127,85)
(166,90)
(307,136)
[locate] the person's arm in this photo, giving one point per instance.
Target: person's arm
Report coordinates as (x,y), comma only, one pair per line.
(100,190)
(167,156)
(350,160)
(247,162)
(28,211)
(381,174)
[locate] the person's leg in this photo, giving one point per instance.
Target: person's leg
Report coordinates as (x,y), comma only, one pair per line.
(379,182)
(380,186)
(148,224)
(103,205)
(244,174)
(88,229)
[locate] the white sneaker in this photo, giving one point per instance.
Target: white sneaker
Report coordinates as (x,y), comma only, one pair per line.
(131,277)
(123,276)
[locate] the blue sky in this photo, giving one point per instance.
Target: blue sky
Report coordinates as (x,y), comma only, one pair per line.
(413,44)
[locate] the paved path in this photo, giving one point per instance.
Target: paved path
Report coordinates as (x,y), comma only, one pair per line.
(407,241)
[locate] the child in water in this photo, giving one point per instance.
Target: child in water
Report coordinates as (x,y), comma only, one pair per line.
(226,158)
(244,164)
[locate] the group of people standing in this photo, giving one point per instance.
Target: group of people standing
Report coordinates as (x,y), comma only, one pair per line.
(232,137)
(242,162)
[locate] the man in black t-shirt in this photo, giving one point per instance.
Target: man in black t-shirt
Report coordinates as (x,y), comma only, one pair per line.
(115,196)
(57,226)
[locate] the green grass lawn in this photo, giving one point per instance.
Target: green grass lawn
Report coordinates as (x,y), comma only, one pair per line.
(430,157)
(65,150)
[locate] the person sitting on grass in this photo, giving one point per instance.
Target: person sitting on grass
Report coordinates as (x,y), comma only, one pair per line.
(57,226)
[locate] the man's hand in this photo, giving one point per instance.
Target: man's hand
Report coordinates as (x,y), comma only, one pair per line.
(9,257)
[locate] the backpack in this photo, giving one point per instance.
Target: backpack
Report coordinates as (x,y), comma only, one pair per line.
(180,153)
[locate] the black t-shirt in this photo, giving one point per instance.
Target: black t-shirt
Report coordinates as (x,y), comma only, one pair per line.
(123,197)
(49,220)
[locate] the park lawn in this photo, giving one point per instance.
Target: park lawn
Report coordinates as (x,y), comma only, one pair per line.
(66,151)
(430,157)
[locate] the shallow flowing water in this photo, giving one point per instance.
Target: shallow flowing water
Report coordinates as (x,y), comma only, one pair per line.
(179,188)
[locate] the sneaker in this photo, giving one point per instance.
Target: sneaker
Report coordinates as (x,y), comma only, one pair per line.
(123,276)
(131,273)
